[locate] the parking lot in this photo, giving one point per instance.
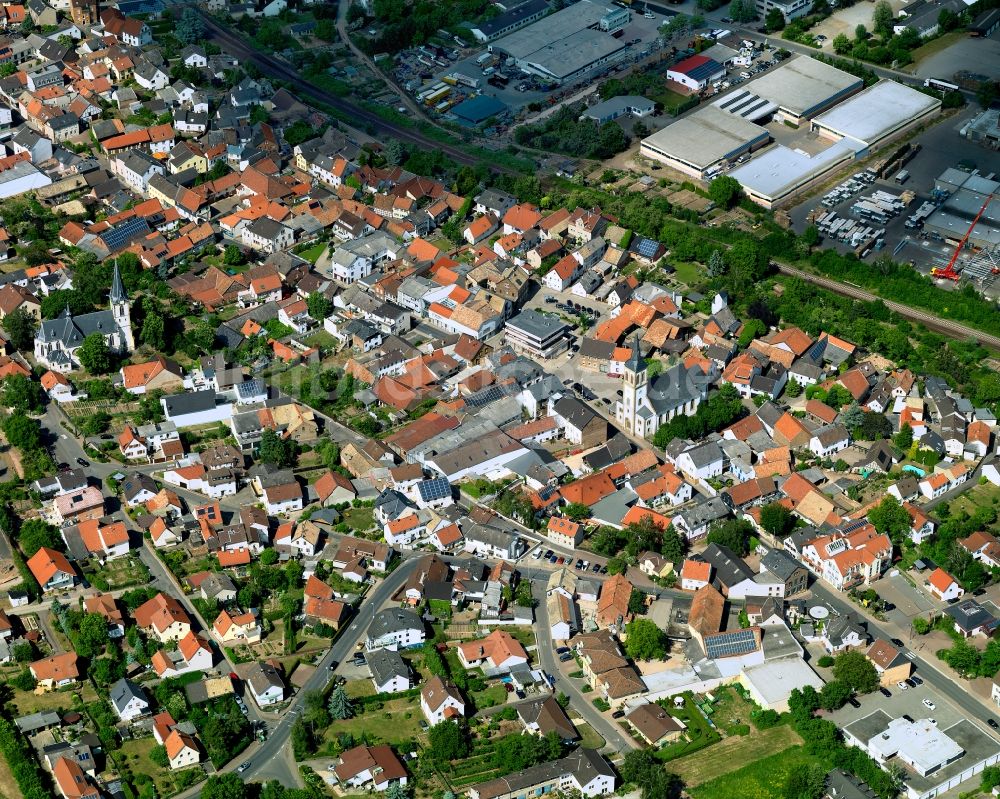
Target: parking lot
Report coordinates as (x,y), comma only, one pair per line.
(942,146)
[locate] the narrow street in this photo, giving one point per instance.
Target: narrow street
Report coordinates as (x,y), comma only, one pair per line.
(579,701)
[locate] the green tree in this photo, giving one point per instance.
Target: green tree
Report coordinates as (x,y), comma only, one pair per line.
(724,190)
(891,519)
(841,44)
(673,546)
(986,93)
(904,438)
(834,695)
(154,330)
(397,791)
(733,533)
(275,450)
(776,519)
(224,786)
(189,29)
(340,704)
(716,264)
(366,425)
(642,768)
(861,33)
(882,18)
(22,431)
(37,533)
(577,511)
(774,20)
(856,672)
(22,394)
(319,306)
(447,741)
(20,327)
(805,783)
(644,640)
(92,635)
(523,596)
(158,755)
(94,354)
(742,10)
(233,256)
(853,417)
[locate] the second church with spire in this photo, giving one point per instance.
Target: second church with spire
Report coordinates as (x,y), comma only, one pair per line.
(58,340)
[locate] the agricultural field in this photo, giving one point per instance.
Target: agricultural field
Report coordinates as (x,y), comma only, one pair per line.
(763,778)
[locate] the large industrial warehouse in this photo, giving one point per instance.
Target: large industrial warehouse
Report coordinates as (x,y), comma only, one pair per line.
(698,143)
(855,125)
(568,44)
(966,195)
(826,103)
(803,88)
(876,114)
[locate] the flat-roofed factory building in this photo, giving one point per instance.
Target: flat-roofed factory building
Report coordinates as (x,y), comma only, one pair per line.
(698,143)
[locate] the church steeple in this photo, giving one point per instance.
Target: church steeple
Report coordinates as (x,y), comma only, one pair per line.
(635,363)
(118,294)
(119,307)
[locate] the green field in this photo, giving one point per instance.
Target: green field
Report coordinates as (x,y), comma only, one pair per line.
(979,496)
(397,721)
(313,253)
(690,274)
(737,755)
(762,779)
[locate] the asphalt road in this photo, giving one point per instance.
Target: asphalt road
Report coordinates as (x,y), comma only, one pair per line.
(928,671)
(272,759)
(604,726)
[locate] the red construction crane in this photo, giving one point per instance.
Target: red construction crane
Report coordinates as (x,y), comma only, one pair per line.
(949,273)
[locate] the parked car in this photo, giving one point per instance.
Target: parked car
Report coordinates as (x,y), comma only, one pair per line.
(916,680)
(83,462)
(927,703)
(548,554)
(902,686)
(243,766)
(897,642)
(562,649)
(596,568)
(885,692)
(565,656)
(853,702)
(993,724)
(618,714)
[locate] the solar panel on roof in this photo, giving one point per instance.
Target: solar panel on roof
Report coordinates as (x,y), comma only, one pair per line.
(123,233)
(738,642)
(484,397)
(647,248)
(438,488)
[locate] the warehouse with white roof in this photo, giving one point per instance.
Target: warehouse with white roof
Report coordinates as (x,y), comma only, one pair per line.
(698,143)
(804,87)
(877,113)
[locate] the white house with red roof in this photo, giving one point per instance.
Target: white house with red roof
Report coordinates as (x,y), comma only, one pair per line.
(943,586)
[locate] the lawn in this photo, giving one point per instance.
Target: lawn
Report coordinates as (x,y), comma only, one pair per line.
(356,688)
(763,779)
(136,754)
(24,702)
(730,755)
(496,694)
(668,99)
(979,496)
(313,253)
(688,273)
(320,338)
(589,737)
(360,519)
(397,721)
(731,708)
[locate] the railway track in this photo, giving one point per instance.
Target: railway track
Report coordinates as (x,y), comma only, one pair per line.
(275,68)
(954,329)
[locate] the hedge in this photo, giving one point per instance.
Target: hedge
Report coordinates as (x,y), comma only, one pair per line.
(23,765)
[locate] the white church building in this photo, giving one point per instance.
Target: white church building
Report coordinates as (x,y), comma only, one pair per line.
(58,340)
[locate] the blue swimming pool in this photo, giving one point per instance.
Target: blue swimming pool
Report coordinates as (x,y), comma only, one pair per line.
(915,469)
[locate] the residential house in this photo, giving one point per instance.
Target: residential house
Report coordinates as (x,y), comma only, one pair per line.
(440,700)
(265,683)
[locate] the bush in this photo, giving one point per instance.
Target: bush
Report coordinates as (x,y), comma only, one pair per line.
(825,662)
